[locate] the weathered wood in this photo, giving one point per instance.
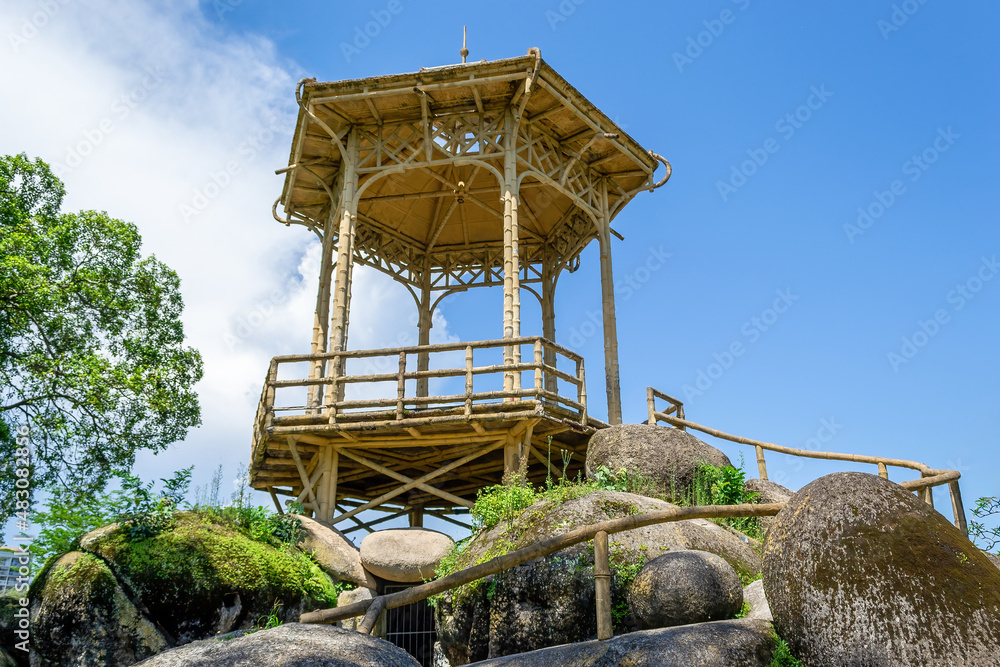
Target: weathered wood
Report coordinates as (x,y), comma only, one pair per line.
(761,464)
(538,550)
(957,507)
(372,615)
(602,586)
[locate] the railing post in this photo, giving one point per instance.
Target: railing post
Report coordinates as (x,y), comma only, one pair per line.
(883,472)
(332,392)
(602,586)
(539,380)
(957,507)
(401,385)
(650,406)
(272,375)
(468,381)
(581,390)
(761,465)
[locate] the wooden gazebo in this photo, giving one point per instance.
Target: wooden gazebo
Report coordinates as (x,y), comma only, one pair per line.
(471,175)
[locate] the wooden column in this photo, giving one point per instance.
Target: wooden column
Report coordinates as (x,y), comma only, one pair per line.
(345,249)
(321,320)
(424,324)
(511,258)
(550,273)
(602,585)
(608,311)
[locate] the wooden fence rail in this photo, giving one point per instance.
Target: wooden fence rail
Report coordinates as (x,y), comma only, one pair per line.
(929,477)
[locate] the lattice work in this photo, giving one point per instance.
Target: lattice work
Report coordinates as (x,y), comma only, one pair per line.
(540,153)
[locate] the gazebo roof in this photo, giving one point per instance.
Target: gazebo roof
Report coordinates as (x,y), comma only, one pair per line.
(431,158)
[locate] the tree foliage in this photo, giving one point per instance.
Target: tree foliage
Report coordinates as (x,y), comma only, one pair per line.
(986,537)
(92,354)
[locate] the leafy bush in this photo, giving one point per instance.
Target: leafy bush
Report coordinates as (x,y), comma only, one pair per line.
(985,537)
(502,502)
(783,657)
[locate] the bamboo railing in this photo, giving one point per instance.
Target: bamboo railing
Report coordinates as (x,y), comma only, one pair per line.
(326,388)
(929,477)
(372,609)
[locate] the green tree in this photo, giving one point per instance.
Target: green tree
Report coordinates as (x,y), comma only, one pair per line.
(92,354)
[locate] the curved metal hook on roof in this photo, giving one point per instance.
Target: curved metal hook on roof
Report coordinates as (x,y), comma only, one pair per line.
(528,85)
(305,109)
(666,164)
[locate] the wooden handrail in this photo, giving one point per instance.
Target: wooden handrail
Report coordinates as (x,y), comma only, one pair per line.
(929,477)
(538,550)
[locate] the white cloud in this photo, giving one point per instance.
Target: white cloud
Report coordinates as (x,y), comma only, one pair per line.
(161,119)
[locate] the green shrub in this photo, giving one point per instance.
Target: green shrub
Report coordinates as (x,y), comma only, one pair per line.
(783,657)
(502,502)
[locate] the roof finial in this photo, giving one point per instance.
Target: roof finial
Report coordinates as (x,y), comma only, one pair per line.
(465,51)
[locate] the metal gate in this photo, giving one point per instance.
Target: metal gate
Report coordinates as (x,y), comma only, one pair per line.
(411,628)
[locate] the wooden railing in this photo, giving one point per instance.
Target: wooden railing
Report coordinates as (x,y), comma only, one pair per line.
(598,532)
(325,394)
(929,477)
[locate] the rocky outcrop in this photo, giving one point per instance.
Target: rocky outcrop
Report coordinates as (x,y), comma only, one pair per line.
(82,617)
(754,597)
(333,552)
(118,601)
(742,643)
(860,572)
(513,611)
(405,555)
(767,492)
(291,645)
(669,457)
(684,587)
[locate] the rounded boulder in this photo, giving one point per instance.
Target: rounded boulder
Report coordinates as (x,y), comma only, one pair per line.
(404,555)
(858,571)
(333,552)
(683,587)
(669,457)
(767,492)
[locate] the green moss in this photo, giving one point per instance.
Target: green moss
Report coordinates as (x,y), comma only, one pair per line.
(203,553)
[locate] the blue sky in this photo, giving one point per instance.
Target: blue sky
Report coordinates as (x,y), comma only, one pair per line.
(780,123)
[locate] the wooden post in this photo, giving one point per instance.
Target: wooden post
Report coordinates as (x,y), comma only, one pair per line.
(581,391)
(468,381)
(608,310)
(550,275)
(957,507)
(650,407)
(332,482)
(417,517)
(345,246)
(324,510)
(400,385)
(539,354)
(761,465)
(321,320)
(883,472)
(424,323)
(602,586)
(511,257)
(511,456)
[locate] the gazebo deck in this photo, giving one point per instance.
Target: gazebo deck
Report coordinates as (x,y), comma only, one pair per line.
(417,452)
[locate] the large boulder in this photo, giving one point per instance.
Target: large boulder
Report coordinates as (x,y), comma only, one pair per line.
(80,616)
(742,643)
(291,645)
(404,555)
(333,552)
(767,492)
(350,597)
(683,587)
(550,601)
(203,576)
(860,572)
(669,457)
